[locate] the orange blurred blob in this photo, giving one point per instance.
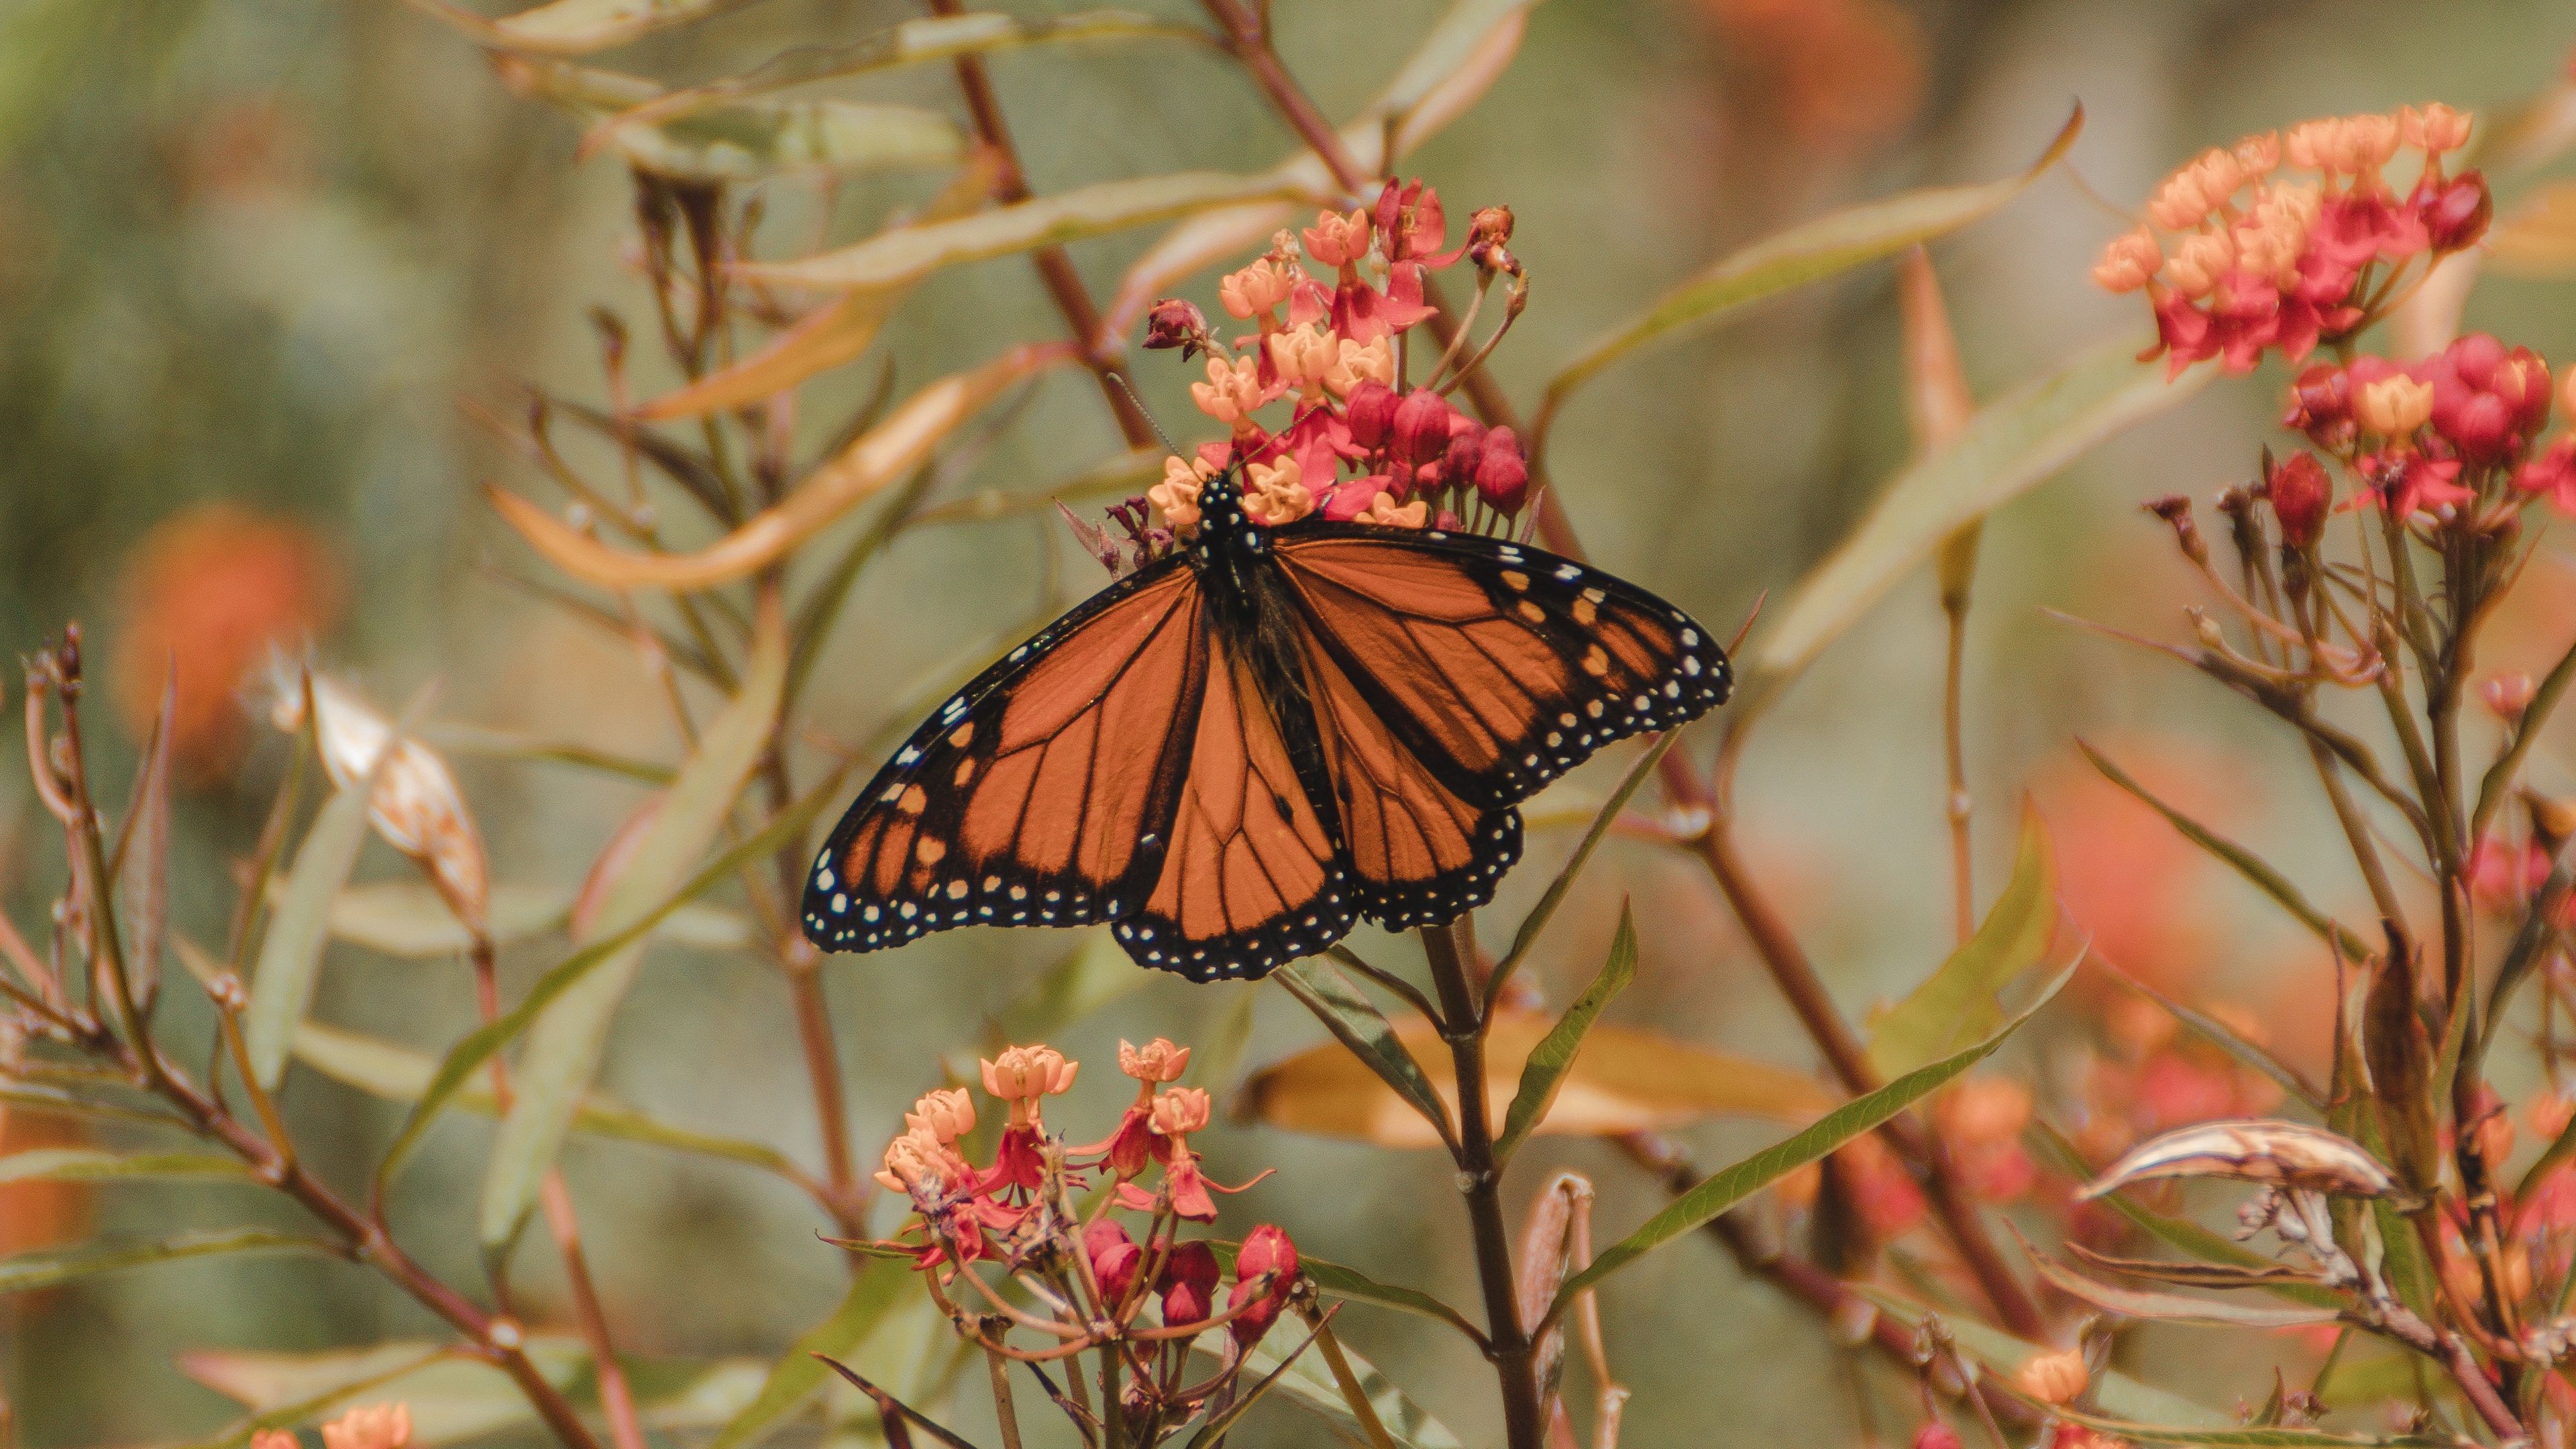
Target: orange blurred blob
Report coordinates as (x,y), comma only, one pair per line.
(213,587)
(1834,77)
(39,1214)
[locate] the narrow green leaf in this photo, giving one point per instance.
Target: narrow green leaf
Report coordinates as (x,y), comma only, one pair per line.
(36,1097)
(2002,1354)
(283,1391)
(397,1073)
(2011,446)
(2251,1436)
(1355,1021)
(465,739)
(1310,1383)
(1358,1287)
(876,1289)
(290,955)
(2246,863)
(571,1034)
(478,1047)
(2560,1148)
(1806,253)
(1731,1186)
(2173,1307)
(142,865)
(80,1164)
(1602,819)
(407,918)
(1452,42)
(1213,1432)
(909,42)
(744,140)
(908,253)
(2226,1038)
(2403,1261)
(50,1267)
(1549,1061)
(577,27)
(2179,1233)
(1957,1003)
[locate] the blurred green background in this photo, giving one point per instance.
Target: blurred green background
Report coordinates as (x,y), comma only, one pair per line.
(254,253)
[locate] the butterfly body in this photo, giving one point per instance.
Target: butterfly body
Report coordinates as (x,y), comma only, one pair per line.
(1238,751)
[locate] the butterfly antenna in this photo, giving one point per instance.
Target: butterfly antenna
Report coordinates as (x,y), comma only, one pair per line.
(1146,413)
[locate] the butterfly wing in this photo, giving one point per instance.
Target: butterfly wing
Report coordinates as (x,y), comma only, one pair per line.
(1034,795)
(1453,675)
(1250,876)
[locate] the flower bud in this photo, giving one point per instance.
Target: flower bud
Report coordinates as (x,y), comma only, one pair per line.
(2302,495)
(2508,694)
(1488,232)
(2321,406)
(2129,260)
(2052,1378)
(1502,478)
(1114,1258)
(1173,322)
(1266,1250)
(2454,213)
(2488,401)
(1370,412)
(1156,1061)
(1466,451)
(416,807)
(1188,1284)
(1936,1435)
(945,1115)
(1421,427)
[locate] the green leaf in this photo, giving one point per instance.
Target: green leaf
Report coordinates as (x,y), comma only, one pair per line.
(290,955)
(407,919)
(1602,819)
(465,739)
(38,1098)
(1452,42)
(142,864)
(577,27)
(284,1390)
(908,42)
(2010,446)
(478,1047)
(1806,253)
(1355,1021)
(1309,1381)
(2226,1038)
(2252,1436)
(908,253)
(50,1267)
(876,1289)
(2173,1307)
(571,1034)
(2002,1354)
(397,1073)
(1957,1003)
(1727,1188)
(1549,1061)
(80,1164)
(744,140)
(1358,1287)
(1212,1433)
(2246,863)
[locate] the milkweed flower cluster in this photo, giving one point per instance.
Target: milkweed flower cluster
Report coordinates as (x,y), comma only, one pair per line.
(1140,1295)
(1331,308)
(2242,256)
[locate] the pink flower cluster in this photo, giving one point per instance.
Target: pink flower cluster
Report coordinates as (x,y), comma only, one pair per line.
(2240,259)
(1359,442)
(2456,436)
(1018,1211)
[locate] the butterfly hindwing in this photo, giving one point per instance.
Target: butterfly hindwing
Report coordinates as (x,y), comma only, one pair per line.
(1250,874)
(1032,796)
(1453,675)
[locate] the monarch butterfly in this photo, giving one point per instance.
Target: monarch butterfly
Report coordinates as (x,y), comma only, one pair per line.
(1237,751)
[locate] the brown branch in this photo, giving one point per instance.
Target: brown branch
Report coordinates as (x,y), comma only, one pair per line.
(1105,356)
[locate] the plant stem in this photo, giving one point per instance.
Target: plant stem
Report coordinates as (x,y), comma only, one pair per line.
(1480,1182)
(1104,355)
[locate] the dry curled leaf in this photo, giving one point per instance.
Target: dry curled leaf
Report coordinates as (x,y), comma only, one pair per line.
(2266,1150)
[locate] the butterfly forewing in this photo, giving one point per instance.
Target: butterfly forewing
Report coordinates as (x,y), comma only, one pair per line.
(1032,798)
